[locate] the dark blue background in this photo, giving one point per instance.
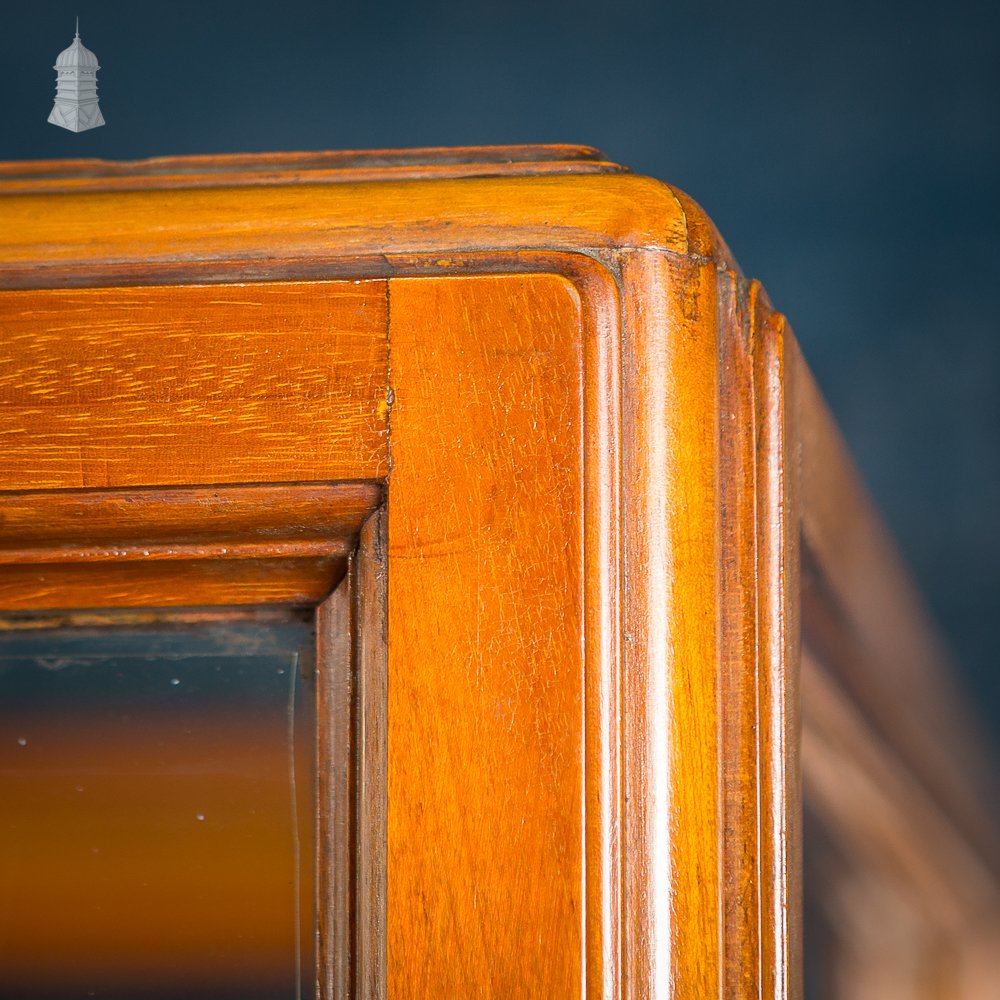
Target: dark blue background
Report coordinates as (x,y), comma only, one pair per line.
(848,152)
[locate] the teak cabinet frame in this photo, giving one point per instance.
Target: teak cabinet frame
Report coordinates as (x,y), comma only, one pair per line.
(560,753)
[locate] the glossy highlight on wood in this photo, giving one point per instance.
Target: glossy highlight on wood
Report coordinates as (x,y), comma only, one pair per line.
(486,700)
(561,719)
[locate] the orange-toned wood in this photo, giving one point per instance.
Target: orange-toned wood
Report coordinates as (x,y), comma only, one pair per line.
(593,317)
(330,167)
(759,642)
(590,429)
(52,525)
(330,229)
(177,583)
(176,386)
(711,641)
(779,507)
(73,549)
(487,684)
(672,662)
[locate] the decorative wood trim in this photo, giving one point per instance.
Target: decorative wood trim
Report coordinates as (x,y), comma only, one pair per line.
(224,545)
(663,926)
(369,583)
(336,820)
(711,591)
(779,512)
(48,176)
(351,691)
(236,229)
(696,415)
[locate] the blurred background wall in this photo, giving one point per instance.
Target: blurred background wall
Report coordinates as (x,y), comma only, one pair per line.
(848,152)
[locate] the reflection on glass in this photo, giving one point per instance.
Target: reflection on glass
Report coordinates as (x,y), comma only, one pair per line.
(156,803)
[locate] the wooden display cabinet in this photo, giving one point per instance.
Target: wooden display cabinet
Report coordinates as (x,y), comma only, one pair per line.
(560,490)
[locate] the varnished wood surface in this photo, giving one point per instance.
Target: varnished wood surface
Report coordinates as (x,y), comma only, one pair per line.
(779,512)
(336,793)
(278,164)
(285,226)
(54,524)
(370,594)
(225,545)
(759,712)
(176,583)
(47,176)
(486,680)
(672,668)
(592,429)
(712,867)
(352,679)
(641,768)
(178,386)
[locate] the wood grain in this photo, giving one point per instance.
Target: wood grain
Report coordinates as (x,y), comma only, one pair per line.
(172,583)
(351,694)
(101,232)
(713,841)
(758,636)
(673,901)
(779,513)
(114,523)
(161,386)
(592,442)
(486,673)
(233,545)
(741,646)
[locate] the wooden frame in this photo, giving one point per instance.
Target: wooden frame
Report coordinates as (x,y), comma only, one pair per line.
(234,545)
(537,353)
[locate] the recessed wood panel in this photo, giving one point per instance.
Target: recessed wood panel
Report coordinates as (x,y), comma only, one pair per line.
(107,387)
(486,671)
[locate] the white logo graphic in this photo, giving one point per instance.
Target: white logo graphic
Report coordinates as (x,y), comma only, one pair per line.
(76,105)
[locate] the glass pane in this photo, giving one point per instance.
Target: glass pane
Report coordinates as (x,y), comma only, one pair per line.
(156,832)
